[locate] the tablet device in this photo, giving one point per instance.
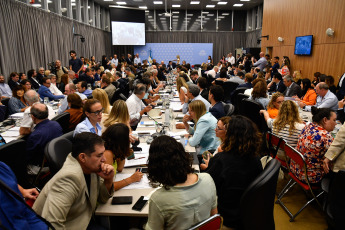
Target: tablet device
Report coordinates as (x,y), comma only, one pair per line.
(122,200)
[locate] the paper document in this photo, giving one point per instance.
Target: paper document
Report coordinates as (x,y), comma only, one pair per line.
(9,139)
(176,106)
(10,133)
(17,115)
(142,184)
(140,159)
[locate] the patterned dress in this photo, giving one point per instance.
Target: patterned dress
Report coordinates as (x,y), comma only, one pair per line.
(313,143)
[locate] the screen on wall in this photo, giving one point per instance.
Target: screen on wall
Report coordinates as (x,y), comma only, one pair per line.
(128,33)
(127,26)
(303,45)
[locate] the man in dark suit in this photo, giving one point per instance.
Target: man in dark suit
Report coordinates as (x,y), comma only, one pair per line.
(194,76)
(248,81)
(292,88)
(87,76)
(215,96)
(14,80)
(277,84)
(32,74)
(202,83)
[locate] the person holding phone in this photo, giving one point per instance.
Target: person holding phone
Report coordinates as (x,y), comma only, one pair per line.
(186,198)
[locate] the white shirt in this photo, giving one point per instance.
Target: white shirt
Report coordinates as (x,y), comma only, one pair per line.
(231,60)
(27,120)
(135,105)
(137,60)
(115,61)
(54,89)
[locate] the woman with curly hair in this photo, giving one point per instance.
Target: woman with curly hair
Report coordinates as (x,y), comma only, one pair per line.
(236,167)
(259,93)
(186,198)
(116,143)
(274,104)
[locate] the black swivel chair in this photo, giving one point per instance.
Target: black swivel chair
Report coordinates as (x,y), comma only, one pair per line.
(13,154)
(5,103)
(229,87)
(251,109)
(236,92)
(257,201)
(63,120)
(228,109)
(68,136)
(56,152)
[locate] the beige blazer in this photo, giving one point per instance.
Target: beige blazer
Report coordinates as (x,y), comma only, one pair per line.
(65,200)
(336,152)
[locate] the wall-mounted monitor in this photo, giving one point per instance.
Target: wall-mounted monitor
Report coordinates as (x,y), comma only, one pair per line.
(303,45)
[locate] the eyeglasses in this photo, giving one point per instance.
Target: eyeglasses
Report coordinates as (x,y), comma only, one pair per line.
(98,112)
(218,128)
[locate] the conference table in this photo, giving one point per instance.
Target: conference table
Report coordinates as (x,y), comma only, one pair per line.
(144,131)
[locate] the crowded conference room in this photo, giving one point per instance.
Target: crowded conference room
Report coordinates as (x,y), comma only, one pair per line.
(172,114)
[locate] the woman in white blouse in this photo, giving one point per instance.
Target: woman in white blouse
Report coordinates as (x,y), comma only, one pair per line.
(53,88)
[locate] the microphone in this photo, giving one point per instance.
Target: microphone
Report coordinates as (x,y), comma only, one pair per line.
(157,134)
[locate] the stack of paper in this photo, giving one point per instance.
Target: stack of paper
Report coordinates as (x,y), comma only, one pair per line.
(140,159)
(142,184)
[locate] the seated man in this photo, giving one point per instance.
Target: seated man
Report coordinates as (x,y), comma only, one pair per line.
(5,89)
(27,125)
(136,108)
(216,96)
(14,80)
(69,89)
(108,87)
(325,98)
(44,90)
(193,93)
(276,85)
(70,198)
(292,89)
(44,132)
(82,88)
(248,78)
(238,78)
(87,76)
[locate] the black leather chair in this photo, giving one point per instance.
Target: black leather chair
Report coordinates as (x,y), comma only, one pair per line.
(5,103)
(251,109)
(118,95)
(219,82)
(236,92)
(238,101)
(56,152)
(229,87)
(63,120)
(68,136)
(257,201)
(228,109)
(13,154)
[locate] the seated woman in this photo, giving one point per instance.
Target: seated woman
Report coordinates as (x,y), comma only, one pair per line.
(308,92)
(236,167)
(102,96)
(259,93)
(182,88)
(186,198)
(222,125)
(26,84)
(116,143)
(313,143)
(75,110)
(53,87)
(93,111)
(17,102)
(203,131)
(274,104)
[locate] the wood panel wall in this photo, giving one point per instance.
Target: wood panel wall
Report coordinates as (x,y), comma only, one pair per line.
(291,18)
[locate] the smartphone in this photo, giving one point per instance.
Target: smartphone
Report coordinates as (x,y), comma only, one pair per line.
(122,200)
(140,204)
(143,170)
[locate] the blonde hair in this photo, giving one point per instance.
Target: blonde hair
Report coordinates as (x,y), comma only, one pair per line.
(273,99)
(298,75)
(199,108)
(180,81)
(288,115)
(118,114)
(102,96)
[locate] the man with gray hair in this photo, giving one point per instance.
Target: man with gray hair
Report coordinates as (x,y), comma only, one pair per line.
(193,93)
(292,89)
(69,89)
(27,125)
(325,98)
(71,76)
(136,107)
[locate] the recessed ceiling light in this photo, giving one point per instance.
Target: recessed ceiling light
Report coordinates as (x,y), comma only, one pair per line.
(221,16)
(146,11)
(143,7)
(238,5)
(222,3)
(210,6)
(157,2)
(205,12)
(36,5)
(175,12)
(210,15)
(73,4)
(176,6)
(121,3)
(225,14)
(195,2)
(108,0)
(245,0)
(175,16)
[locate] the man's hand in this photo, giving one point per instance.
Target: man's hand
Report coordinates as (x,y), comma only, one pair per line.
(147,108)
(341,104)
(107,172)
(302,104)
(30,193)
(326,164)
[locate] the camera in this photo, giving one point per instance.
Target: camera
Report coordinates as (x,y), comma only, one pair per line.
(52,67)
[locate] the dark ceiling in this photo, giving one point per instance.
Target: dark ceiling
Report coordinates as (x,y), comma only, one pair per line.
(185,4)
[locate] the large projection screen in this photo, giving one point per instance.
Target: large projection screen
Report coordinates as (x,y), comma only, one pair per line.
(128,33)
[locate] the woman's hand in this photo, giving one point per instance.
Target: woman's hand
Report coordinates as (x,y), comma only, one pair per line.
(207,159)
(136,177)
(326,165)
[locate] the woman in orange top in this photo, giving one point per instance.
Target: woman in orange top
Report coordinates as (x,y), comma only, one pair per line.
(274,104)
(309,93)
(75,110)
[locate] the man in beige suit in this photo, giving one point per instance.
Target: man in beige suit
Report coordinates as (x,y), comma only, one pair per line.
(336,153)
(69,199)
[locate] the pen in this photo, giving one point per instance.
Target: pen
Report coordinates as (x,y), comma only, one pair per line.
(139,158)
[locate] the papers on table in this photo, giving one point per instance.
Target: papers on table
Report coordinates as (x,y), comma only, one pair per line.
(11,134)
(140,159)
(146,124)
(178,134)
(144,132)
(176,106)
(142,184)
(17,115)
(180,122)
(154,113)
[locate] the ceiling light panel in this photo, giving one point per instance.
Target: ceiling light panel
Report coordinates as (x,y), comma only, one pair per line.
(222,3)
(176,6)
(121,3)
(210,6)
(238,5)
(195,2)
(158,2)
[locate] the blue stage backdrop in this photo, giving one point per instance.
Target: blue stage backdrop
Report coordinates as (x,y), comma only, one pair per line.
(193,53)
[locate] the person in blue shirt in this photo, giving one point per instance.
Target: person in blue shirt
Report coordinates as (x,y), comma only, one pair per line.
(204,134)
(14,214)
(44,90)
(215,96)
(82,88)
(93,111)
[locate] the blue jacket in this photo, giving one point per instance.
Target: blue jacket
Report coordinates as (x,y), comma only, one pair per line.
(218,110)
(43,91)
(14,214)
(204,133)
